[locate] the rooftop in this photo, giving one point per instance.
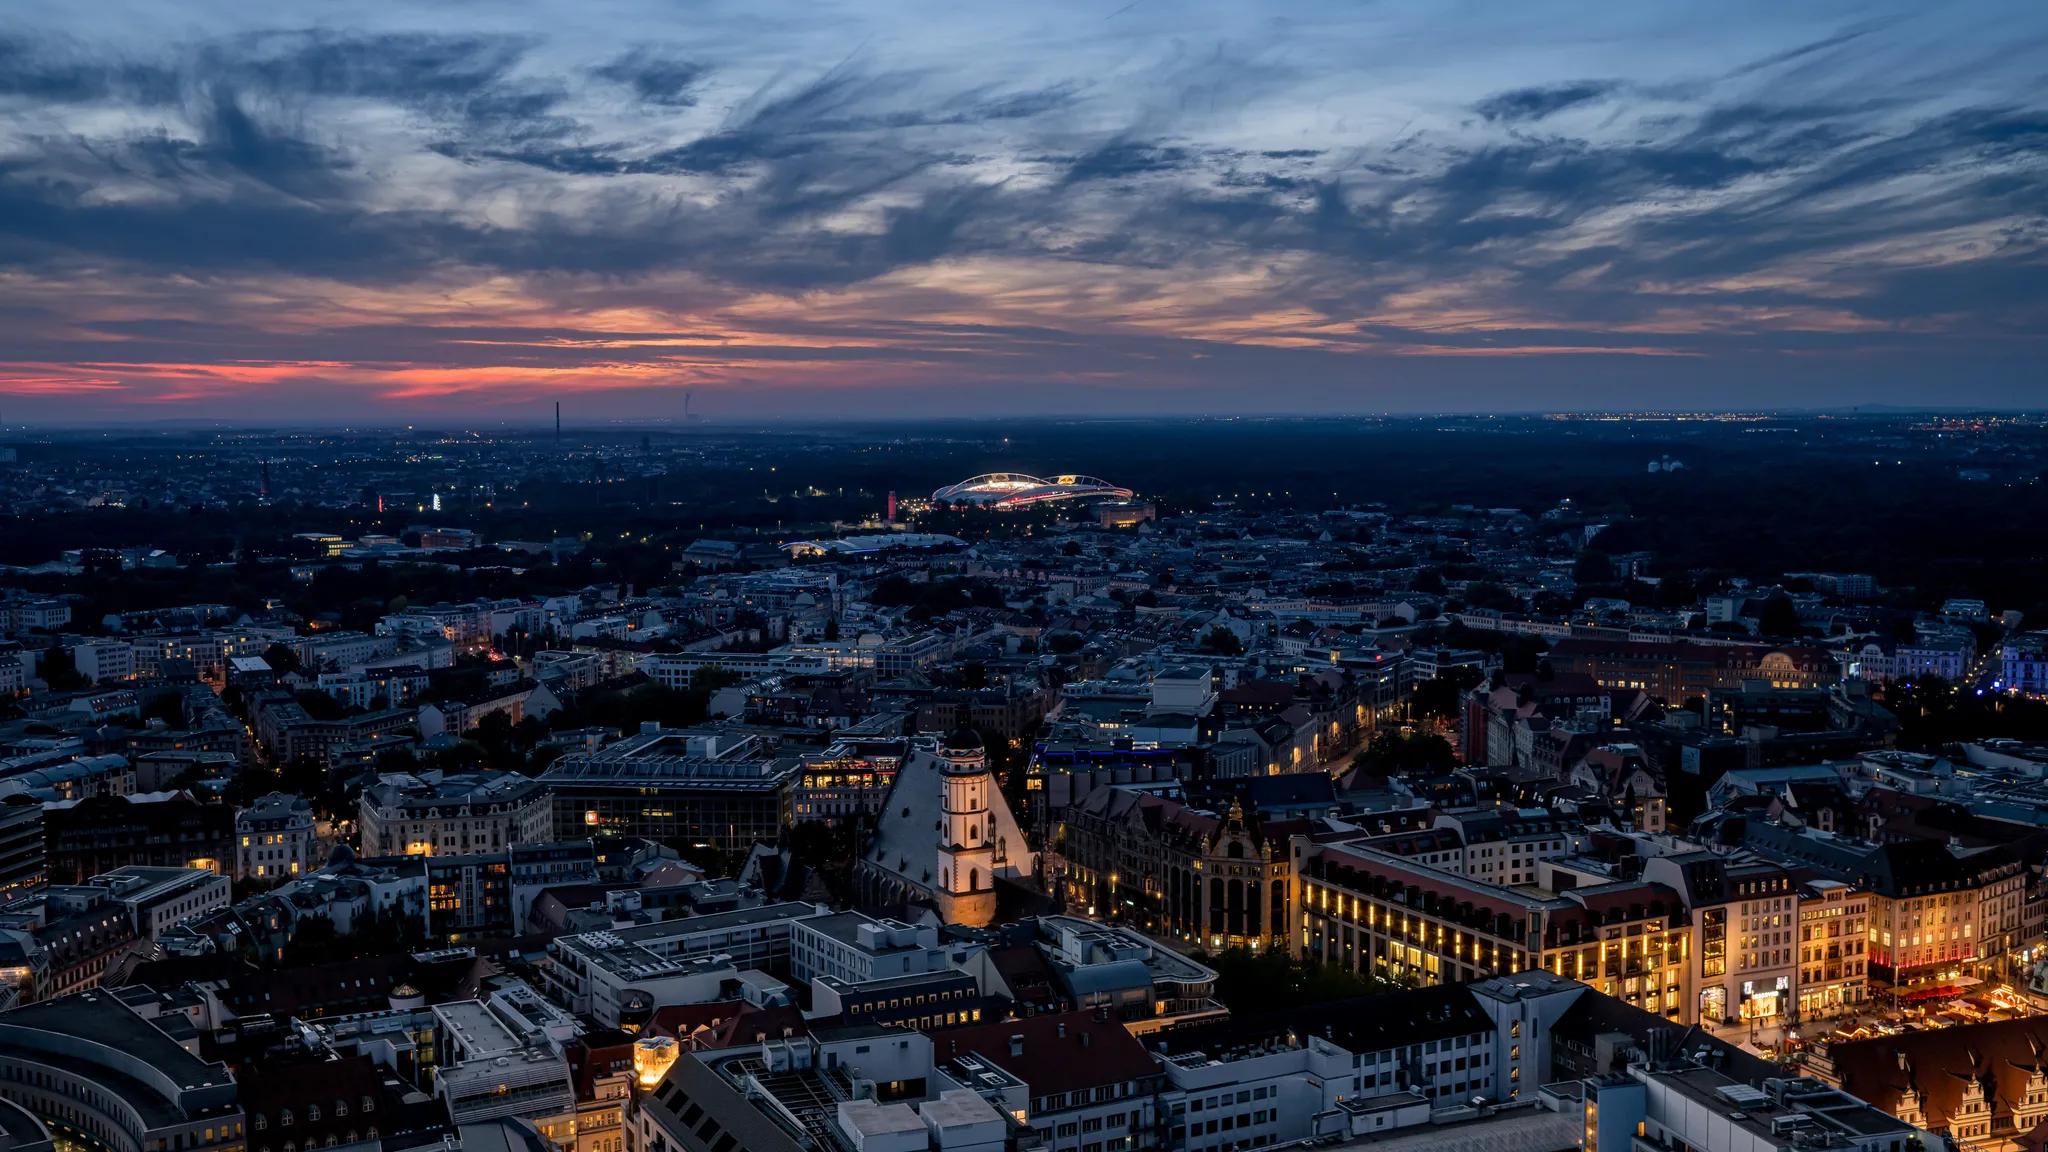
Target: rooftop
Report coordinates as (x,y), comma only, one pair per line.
(94,1036)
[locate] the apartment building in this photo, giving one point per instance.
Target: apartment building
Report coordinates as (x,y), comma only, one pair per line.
(1833,976)
(436,813)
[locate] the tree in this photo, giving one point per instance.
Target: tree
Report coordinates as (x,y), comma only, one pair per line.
(1253,982)
(315,941)
(1223,642)
(1422,754)
(1593,567)
(281,658)
(1780,617)
(61,672)
(1442,698)
(1934,713)
(1488,594)
(1431,582)
(320,705)
(1061,643)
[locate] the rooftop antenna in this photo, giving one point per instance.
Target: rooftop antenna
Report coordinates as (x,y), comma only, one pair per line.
(558,423)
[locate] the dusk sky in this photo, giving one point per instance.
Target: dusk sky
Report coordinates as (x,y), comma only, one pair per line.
(375,211)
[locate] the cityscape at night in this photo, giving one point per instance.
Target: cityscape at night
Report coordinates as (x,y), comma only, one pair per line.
(1081,577)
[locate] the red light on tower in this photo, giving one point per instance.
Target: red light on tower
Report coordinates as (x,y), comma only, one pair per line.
(892,506)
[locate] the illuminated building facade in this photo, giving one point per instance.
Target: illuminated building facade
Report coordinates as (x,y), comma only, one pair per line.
(1017,490)
(435,813)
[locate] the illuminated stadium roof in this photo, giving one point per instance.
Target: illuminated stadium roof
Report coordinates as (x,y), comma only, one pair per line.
(1016,490)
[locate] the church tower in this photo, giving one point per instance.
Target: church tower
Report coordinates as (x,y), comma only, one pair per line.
(967,873)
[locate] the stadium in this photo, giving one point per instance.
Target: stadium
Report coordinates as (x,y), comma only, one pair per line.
(1016,490)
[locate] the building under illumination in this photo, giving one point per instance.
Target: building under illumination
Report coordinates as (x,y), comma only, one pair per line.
(437,813)
(1017,490)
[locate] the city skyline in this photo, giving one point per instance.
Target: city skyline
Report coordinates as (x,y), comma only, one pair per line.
(1109,209)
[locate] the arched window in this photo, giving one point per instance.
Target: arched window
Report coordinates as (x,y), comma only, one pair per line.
(945,878)
(313,1113)
(341,1107)
(261,1122)
(371,1134)
(974,880)
(284,1120)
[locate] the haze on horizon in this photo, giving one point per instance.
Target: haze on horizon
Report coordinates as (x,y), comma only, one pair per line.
(299,212)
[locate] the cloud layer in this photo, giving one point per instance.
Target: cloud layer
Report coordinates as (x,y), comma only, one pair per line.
(808,210)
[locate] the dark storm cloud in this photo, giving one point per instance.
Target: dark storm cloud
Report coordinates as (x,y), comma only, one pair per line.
(1124,157)
(1525,104)
(45,70)
(656,77)
(792,154)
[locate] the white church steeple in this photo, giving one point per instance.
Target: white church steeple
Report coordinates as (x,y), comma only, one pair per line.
(967,833)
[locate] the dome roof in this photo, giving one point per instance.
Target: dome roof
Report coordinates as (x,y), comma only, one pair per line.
(963,740)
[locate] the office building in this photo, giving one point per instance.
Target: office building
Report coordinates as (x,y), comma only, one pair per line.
(668,962)
(84,838)
(92,1065)
(857,948)
(672,784)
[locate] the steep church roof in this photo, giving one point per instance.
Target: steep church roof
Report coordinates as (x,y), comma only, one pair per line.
(907,832)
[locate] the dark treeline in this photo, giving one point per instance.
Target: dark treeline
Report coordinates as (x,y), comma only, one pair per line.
(1757,499)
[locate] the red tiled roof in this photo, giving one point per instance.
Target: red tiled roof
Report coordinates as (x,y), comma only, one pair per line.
(2001,1056)
(1067,1052)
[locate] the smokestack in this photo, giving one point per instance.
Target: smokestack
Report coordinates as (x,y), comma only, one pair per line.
(558,423)
(266,480)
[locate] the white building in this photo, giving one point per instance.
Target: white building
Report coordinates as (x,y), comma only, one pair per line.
(158,898)
(434,813)
(1191,690)
(2023,665)
(672,962)
(492,1068)
(857,948)
(104,660)
(276,838)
